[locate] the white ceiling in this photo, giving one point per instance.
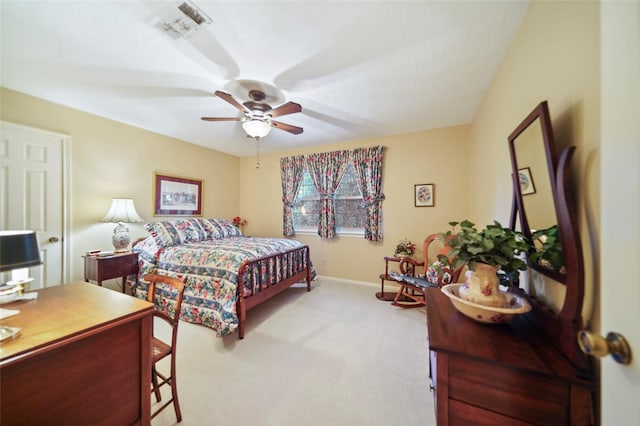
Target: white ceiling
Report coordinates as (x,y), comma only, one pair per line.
(359,69)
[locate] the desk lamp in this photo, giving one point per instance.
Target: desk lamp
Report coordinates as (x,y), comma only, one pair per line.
(18,252)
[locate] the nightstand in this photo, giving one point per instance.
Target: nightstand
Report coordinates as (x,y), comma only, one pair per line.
(98,269)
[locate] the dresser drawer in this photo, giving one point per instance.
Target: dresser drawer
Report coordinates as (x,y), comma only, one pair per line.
(517,394)
(461,414)
(120,262)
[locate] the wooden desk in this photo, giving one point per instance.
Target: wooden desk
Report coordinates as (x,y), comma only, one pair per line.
(83,357)
(502,374)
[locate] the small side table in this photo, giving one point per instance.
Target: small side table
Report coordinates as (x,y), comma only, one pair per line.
(382,295)
(389,296)
(98,269)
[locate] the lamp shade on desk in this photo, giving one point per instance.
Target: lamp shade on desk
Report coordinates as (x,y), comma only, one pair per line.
(18,249)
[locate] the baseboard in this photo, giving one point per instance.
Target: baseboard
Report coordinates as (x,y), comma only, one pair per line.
(354,282)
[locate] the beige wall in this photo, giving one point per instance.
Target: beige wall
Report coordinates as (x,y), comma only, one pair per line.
(436,156)
(554,56)
(111,159)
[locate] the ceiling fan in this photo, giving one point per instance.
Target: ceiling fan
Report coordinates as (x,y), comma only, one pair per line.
(258,115)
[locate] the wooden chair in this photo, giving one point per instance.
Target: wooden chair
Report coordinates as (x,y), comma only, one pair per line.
(412,285)
(169,311)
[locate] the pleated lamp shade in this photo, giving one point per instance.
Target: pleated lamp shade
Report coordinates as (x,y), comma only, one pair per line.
(121,211)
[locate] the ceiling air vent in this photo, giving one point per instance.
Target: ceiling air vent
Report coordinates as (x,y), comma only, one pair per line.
(181,20)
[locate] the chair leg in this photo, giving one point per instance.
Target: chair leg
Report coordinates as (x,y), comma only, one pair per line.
(174,389)
(154,381)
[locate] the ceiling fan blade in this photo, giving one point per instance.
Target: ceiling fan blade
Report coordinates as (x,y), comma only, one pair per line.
(287,127)
(228,98)
(284,109)
(222,118)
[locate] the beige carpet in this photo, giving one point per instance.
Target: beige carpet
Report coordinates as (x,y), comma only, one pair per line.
(333,356)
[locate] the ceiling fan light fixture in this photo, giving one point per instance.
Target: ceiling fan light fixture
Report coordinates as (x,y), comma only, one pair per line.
(256,128)
(257,119)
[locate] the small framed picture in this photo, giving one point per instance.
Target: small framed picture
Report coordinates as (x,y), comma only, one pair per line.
(176,196)
(424,195)
(526,181)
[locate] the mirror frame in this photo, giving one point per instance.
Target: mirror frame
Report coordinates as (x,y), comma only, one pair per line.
(539,115)
(561,328)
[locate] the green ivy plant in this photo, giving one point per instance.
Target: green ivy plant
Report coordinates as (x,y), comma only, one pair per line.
(548,249)
(493,245)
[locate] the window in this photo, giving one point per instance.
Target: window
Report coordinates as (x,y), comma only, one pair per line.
(356,212)
(349,212)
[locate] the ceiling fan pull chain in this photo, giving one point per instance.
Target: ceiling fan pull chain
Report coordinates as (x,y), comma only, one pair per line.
(257,153)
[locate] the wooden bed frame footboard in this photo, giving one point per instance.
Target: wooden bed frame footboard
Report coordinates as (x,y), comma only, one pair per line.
(266,291)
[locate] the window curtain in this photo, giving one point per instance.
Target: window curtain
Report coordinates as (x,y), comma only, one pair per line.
(367,163)
(326,170)
(291,172)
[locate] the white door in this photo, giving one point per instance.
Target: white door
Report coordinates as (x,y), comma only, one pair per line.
(620,206)
(32,194)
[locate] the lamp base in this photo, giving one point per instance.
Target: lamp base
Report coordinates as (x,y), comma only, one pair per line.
(19,285)
(121,238)
(19,279)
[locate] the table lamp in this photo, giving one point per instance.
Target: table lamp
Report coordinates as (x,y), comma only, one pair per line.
(121,211)
(18,252)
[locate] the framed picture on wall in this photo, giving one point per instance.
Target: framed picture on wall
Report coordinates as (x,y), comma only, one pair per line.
(424,195)
(526,181)
(177,196)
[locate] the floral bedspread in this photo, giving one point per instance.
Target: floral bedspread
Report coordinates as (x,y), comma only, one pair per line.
(211,271)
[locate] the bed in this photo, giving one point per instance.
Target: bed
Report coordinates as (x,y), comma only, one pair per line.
(226,273)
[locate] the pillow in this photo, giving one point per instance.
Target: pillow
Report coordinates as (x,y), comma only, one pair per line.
(170,233)
(440,274)
(211,228)
(220,228)
(228,228)
(146,247)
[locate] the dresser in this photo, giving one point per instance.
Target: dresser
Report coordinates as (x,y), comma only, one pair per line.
(83,357)
(499,374)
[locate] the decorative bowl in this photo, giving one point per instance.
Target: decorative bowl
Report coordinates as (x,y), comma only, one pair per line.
(513,306)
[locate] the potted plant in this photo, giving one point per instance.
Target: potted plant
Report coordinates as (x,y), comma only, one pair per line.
(548,249)
(485,252)
(405,248)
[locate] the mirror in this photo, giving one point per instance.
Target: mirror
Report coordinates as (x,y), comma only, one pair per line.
(547,218)
(532,149)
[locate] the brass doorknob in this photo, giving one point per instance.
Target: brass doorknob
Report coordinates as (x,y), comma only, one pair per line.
(614,344)
(53,240)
